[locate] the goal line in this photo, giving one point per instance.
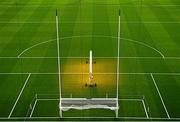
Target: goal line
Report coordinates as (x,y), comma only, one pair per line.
(38,100)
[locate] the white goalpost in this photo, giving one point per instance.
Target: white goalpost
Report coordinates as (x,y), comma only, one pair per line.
(118,53)
(66,104)
(59,64)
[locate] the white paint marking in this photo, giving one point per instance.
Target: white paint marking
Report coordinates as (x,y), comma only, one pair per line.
(160,95)
(126,39)
(19,95)
(91,22)
(78,57)
(136,118)
(145,110)
(34,46)
(73,73)
(46,99)
(33,108)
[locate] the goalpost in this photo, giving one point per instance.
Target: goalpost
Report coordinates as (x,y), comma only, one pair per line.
(66,104)
(118,53)
(59,63)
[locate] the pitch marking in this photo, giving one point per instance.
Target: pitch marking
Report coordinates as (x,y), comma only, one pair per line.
(19,96)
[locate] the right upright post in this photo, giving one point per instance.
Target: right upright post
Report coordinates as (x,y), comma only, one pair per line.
(118,53)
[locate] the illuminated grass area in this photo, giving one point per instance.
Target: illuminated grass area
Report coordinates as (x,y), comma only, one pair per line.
(149,84)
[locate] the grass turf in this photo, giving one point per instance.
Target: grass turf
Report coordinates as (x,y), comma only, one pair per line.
(149,32)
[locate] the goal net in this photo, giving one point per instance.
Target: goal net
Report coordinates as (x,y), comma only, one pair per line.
(84,103)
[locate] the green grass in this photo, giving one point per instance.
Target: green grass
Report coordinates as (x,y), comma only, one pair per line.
(149,31)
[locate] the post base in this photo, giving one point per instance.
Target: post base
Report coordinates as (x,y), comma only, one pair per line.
(90,85)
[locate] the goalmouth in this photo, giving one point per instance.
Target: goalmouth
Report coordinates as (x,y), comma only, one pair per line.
(66,104)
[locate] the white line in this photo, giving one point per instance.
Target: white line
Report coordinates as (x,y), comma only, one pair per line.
(19,95)
(106,117)
(73,73)
(52,22)
(160,95)
(46,99)
(34,46)
(142,43)
(33,108)
(50,5)
(136,118)
(91,22)
(78,57)
(78,117)
(126,39)
(145,110)
(129,99)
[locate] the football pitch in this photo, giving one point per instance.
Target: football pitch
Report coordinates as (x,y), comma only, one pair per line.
(149,58)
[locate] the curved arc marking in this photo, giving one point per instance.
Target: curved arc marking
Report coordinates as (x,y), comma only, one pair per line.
(131,40)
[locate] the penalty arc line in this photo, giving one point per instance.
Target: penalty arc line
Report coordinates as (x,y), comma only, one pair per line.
(126,39)
(34,46)
(160,95)
(19,95)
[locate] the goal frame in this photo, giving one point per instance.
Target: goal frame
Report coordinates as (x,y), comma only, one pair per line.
(66,104)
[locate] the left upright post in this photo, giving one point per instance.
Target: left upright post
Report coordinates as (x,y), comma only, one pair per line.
(59,64)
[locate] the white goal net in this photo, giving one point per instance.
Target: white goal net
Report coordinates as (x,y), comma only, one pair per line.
(84,103)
